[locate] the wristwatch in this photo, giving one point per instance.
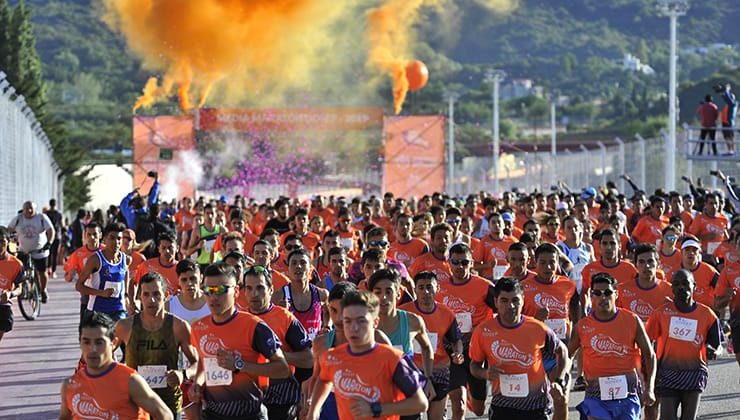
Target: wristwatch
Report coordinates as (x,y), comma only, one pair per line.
(238,364)
(376,409)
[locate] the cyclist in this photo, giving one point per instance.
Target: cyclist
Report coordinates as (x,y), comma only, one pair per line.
(11,272)
(35,234)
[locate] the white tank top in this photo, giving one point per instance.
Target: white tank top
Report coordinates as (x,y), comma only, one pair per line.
(177,308)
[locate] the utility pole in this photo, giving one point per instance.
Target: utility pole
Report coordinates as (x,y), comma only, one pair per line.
(553,124)
(672,9)
(451,97)
(495,77)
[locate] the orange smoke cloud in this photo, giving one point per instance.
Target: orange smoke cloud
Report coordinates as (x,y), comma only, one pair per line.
(244,49)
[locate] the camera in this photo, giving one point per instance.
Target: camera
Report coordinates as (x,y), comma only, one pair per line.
(152,174)
(714,173)
(719,88)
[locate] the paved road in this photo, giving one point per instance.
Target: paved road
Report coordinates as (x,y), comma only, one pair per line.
(37,355)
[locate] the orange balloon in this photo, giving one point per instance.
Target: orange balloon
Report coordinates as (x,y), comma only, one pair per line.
(417,74)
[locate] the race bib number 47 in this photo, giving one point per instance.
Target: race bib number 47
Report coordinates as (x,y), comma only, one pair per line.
(683,329)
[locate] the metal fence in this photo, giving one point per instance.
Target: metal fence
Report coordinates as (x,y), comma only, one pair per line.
(592,164)
(27,167)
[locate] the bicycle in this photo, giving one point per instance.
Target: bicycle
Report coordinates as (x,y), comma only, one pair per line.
(29,300)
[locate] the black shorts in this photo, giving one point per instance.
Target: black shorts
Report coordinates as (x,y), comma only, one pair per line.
(728,133)
(460,376)
(6,318)
(441,383)
(735,330)
(40,264)
(505,413)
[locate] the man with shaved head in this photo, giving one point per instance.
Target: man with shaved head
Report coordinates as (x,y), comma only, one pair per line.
(35,235)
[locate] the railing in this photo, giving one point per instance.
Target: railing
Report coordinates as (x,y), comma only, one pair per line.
(709,149)
(28,170)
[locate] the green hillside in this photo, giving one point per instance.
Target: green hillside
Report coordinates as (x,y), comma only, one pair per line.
(569,45)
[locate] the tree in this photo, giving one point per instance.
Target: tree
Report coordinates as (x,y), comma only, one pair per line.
(25,66)
(4,34)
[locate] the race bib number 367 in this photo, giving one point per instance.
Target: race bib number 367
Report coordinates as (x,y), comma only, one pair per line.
(683,329)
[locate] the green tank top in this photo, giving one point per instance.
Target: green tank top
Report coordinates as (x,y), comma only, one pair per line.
(155,348)
(209,240)
(400,338)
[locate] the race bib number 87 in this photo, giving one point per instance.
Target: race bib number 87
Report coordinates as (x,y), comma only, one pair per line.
(613,387)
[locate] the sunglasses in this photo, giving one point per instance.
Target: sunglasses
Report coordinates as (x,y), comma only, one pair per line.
(599,293)
(219,290)
(671,237)
(381,244)
(292,247)
(454,261)
(453,221)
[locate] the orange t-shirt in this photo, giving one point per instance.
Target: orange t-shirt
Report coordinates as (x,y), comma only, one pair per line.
(726,250)
(169,273)
(373,376)
(326,214)
(406,252)
(428,262)
(490,250)
(687,218)
(441,326)
(310,240)
(714,228)
(623,271)
(472,301)
(245,334)
(669,264)
(610,347)
(555,296)
(517,352)
(78,258)
(681,337)
(136,259)
(184,220)
(104,396)
(643,302)
(649,230)
(705,277)
(10,270)
(730,279)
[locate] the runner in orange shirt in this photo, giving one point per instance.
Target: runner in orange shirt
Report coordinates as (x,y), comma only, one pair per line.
(470,297)
(282,395)
(650,226)
(328,241)
(11,272)
(435,260)
(728,293)
(76,261)
(348,236)
(644,293)
(443,332)
(338,264)
(165,265)
(370,379)
(518,259)
(612,341)
(129,246)
(685,331)
(104,388)
(491,251)
(513,347)
(309,239)
(610,262)
(406,248)
(262,253)
(236,351)
(705,276)
(670,255)
(552,233)
(184,216)
(318,208)
(710,226)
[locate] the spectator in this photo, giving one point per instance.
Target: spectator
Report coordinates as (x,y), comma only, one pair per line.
(728,118)
(708,113)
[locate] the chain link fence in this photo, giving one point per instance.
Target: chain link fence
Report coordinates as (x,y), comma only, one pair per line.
(27,167)
(592,164)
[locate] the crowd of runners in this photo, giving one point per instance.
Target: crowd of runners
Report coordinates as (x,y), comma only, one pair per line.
(388,307)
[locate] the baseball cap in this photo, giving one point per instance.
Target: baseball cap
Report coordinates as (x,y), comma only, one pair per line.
(508,217)
(689,243)
(589,192)
(562,205)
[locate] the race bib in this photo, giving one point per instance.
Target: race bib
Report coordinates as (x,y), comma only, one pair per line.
(514,385)
(432,338)
(558,326)
(499,270)
(154,375)
(117,287)
(712,246)
(209,244)
(683,329)
(577,276)
(464,321)
(215,374)
(347,243)
(613,387)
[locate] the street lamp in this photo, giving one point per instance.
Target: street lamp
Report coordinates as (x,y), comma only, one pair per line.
(451,97)
(495,77)
(672,9)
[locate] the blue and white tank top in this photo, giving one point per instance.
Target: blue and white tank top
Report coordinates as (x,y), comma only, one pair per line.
(580,256)
(109,276)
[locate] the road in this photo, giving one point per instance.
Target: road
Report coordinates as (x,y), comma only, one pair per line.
(37,355)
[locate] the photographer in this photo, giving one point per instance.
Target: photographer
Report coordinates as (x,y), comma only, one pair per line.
(133,207)
(708,114)
(728,115)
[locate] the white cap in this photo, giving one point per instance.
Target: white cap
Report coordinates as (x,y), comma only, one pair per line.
(690,243)
(562,205)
